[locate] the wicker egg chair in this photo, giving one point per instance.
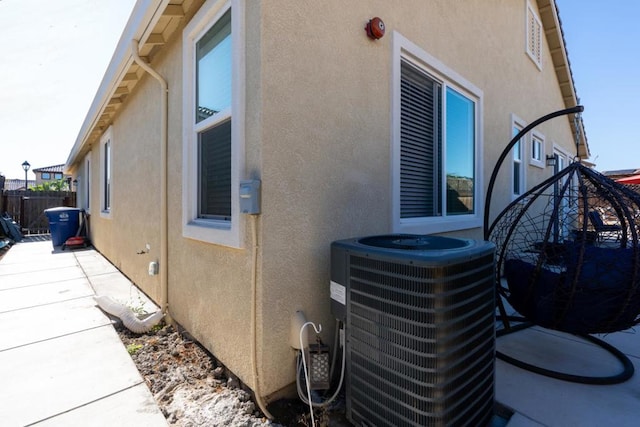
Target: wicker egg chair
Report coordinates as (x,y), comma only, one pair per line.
(568,258)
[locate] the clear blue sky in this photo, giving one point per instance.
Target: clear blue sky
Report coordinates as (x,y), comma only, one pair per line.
(603,41)
(53,54)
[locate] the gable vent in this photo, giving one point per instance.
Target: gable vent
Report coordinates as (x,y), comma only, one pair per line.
(534,37)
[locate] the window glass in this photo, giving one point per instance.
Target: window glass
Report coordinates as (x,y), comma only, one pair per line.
(516,185)
(460,153)
(87,183)
(46,175)
(106,206)
(436,144)
(213,70)
(213,122)
(421,145)
(58,176)
(536,149)
(213,96)
(516,149)
(424,162)
(214,172)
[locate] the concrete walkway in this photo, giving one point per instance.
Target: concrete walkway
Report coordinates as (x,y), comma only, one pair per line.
(61,361)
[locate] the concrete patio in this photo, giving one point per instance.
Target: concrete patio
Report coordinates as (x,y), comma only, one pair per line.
(543,401)
(61,361)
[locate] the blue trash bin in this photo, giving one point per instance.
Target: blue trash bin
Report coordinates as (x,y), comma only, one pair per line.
(63,223)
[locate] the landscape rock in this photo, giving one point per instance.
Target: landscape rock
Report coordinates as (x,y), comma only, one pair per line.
(189,386)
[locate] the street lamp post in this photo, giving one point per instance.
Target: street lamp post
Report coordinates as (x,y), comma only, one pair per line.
(26,166)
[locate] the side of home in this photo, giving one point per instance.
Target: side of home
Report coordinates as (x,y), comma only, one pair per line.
(348,136)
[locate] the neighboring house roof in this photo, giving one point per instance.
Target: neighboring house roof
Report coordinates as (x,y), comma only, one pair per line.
(153,22)
(53,169)
(621,172)
(16,184)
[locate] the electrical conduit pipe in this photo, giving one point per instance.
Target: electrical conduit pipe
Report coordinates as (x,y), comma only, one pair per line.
(164,105)
(254,322)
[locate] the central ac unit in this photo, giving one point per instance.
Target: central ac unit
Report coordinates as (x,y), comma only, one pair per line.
(420,341)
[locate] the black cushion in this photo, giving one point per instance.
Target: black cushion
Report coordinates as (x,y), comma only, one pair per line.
(596,302)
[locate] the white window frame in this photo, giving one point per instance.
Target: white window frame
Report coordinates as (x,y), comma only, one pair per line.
(226,233)
(563,159)
(517,122)
(533,39)
(403,48)
(537,138)
(107,138)
(84,185)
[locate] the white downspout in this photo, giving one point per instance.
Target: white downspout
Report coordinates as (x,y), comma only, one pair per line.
(164,246)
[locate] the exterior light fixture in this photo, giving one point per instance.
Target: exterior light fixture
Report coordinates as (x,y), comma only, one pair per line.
(26,166)
(552,160)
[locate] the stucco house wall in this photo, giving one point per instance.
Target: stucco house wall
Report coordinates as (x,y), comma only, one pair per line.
(319,126)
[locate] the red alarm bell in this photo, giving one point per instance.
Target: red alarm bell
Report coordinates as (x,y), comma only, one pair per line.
(375,28)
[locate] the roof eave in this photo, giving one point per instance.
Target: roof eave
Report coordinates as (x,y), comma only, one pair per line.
(562,66)
(147,13)
(142,20)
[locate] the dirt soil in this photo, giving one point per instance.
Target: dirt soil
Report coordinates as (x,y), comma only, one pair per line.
(190,387)
(193,389)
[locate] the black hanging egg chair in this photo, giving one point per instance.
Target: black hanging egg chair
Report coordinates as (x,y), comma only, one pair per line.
(568,257)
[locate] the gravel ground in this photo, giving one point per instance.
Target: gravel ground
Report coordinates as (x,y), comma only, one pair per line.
(193,389)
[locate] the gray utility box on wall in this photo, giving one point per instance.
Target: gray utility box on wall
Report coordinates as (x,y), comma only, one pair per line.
(419,315)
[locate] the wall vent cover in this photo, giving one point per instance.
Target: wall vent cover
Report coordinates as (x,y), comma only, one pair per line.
(419,329)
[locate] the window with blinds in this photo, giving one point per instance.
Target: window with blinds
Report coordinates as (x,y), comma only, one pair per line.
(436,144)
(213,110)
(213,44)
(437,169)
(421,144)
(214,172)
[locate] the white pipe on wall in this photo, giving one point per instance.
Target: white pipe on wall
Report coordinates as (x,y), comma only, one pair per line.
(164,245)
(254,323)
(129,319)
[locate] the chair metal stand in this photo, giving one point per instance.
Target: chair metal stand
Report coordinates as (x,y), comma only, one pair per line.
(627,366)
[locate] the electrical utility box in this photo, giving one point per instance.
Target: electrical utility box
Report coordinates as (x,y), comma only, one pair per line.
(250,196)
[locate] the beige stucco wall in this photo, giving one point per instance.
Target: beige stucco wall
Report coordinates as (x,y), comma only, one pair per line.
(318,135)
(326,114)
(209,285)
(134,217)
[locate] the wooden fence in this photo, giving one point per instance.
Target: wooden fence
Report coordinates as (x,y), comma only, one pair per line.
(27,207)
